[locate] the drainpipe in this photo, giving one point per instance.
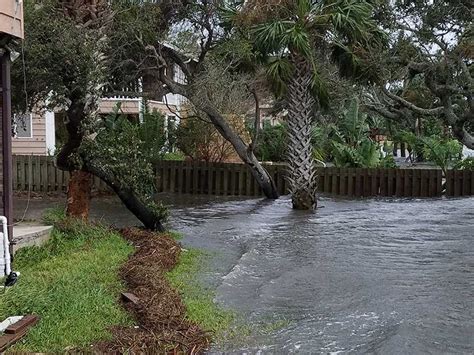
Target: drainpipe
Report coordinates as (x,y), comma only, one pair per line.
(7,141)
(6,245)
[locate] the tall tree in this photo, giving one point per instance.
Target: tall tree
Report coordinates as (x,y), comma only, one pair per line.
(290,34)
(427,70)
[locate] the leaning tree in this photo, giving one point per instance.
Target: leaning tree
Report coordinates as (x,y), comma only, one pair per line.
(201,24)
(290,35)
(69,53)
(427,71)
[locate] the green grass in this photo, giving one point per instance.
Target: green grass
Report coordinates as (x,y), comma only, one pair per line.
(72,283)
(199,300)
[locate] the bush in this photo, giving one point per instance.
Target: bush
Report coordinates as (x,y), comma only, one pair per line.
(272,143)
(465,164)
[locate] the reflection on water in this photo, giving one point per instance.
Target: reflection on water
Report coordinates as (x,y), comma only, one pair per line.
(364,276)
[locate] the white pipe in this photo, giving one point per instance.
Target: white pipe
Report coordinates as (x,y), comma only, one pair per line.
(6,245)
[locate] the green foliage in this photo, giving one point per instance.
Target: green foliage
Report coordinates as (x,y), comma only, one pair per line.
(444,152)
(60,58)
(388,162)
(72,283)
(465,164)
(272,143)
(363,155)
(200,140)
(128,151)
(178,155)
(351,145)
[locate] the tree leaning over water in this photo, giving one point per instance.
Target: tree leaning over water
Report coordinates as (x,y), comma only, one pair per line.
(289,34)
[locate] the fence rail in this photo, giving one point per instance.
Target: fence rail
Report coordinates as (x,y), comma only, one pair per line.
(39,174)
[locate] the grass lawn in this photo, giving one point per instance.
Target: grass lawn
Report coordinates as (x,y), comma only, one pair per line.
(72,283)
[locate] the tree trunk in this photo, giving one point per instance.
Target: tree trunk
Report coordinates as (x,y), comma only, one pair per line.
(150,218)
(261,175)
(79,195)
(301,170)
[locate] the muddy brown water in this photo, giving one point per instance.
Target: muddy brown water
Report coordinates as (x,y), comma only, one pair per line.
(389,276)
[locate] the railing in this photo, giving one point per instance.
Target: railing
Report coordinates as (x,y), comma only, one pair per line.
(38,174)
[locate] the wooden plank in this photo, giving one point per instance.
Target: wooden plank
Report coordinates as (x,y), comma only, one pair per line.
(407,182)
(390,182)
(218,181)
(248,182)
(225,181)
(233,179)
(196,172)
(172,177)
(335,181)
(44,174)
(416,183)
(399,183)
(343,182)
(8,339)
(130,297)
(210,179)
(241,180)
(180,173)
(374,182)
(365,183)
(165,177)
(450,181)
(22,185)
(327,180)
(52,175)
(37,174)
(22,324)
(424,191)
(433,183)
(466,183)
(358,182)
(383,183)
(188,177)
(350,181)
(457,183)
(472,182)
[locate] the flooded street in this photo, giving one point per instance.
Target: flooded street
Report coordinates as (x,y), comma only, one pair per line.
(363,276)
(357,276)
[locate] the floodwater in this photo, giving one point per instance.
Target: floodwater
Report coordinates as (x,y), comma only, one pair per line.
(357,276)
(384,276)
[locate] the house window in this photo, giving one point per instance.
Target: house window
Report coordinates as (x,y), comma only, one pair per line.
(23,125)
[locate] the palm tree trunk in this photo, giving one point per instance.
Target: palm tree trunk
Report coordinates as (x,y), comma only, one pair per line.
(301,173)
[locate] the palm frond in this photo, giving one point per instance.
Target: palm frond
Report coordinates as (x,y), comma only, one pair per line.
(279,70)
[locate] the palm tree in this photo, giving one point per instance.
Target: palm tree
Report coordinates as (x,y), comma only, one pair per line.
(288,35)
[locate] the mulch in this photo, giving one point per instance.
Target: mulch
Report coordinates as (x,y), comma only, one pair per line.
(159,312)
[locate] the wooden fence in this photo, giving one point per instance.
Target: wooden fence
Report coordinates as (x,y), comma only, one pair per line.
(39,174)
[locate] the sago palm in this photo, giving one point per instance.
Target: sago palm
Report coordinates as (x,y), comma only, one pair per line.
(289,35)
